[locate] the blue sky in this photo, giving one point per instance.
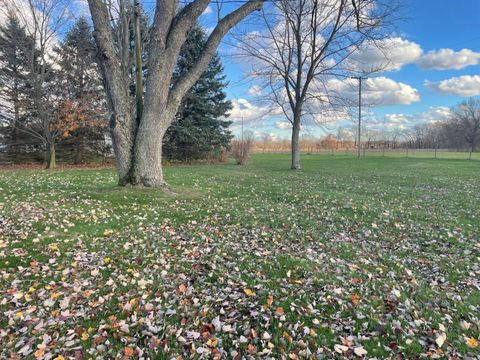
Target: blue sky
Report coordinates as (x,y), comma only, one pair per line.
(436,64)
(435,55)
(435,25)
(439,79)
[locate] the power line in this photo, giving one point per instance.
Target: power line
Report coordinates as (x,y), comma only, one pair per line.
(360,80)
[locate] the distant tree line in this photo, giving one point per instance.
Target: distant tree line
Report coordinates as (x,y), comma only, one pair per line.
(460,131)
(53,102)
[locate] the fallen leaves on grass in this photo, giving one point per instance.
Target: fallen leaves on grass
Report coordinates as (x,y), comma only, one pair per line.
(242,272)
(472,343)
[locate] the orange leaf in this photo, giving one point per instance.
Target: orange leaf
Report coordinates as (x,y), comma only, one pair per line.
(287,336)
(128,351)
(182,288)
(472,343)
(355,299)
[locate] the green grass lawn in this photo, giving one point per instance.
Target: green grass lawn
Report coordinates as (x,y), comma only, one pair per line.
(377,258)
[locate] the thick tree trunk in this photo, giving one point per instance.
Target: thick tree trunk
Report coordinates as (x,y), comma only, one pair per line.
(296,145)
(14,147)
(147,156)
(50,156)
(123,141)
(79,149)
(138,149)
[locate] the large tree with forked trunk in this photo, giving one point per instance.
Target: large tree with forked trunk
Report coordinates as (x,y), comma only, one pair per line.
(138,129)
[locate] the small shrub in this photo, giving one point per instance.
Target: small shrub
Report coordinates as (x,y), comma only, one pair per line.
(223,156)
(241,150)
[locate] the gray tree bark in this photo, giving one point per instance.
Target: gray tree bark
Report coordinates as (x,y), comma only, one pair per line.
(51,157)
(296,143)
(138,142)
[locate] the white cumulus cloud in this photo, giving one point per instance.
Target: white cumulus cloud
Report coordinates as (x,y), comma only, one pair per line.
(396,118)
(466,85)
(393,53)
(283,125)
(446,59)
(436,113)
(248,112)
(385,91)
(398,122)
(388,55)
(378,91)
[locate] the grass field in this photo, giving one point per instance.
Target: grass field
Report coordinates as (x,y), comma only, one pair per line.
(377,258)
(400,153)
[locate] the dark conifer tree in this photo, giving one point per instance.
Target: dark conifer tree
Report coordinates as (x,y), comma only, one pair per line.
(200,130)
(15,47)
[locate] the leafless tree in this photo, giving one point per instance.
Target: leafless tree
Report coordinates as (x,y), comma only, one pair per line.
(371,137)
(138,139)
(466,119)
(305,43)
(265,141)
(419,136)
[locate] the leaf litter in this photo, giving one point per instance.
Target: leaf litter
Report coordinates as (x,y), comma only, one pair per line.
(271,274)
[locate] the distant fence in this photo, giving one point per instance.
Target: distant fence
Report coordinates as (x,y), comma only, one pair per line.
(423,153)
(398,153)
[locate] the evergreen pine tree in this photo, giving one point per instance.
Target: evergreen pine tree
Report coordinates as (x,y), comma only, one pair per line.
(15,101)
(200,130)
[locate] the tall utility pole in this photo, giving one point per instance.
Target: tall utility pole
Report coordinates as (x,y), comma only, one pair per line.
(359,137)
